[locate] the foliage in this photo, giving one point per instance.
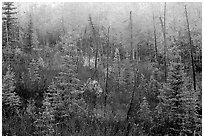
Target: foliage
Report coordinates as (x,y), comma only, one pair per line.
(179,102)
(9,31)
(9,22)
(145,117)
(44,120)
(30,38)
(153,89)
(65,75)
(10,101)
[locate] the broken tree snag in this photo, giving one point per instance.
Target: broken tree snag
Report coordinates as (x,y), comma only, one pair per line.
(96,45)
(107,64)
(131,39)
(191,49)
(163,25)
(106,88)
(135,59)
(155,37)
(128,119)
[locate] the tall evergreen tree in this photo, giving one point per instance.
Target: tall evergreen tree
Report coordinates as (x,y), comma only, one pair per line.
(160,125)
(172,98)
(127,77)
(178,100)
(31,41)
(58,98)
(153,89)
(145,116)
(142,87)
(33,79)
(9,33)
(191,123)
(67,78)
(45,120)
(34,71)
(8,21)
(10,101)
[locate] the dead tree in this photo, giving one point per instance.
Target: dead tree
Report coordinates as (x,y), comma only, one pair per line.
(96,44)
(191,49)
(155,36)
(135,70)
(107,65)
(131,40)
(163,25)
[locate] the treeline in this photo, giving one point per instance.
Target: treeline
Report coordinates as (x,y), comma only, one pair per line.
(92,82)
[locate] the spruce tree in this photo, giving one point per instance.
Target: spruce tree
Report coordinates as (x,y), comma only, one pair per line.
(142,87)
(191,123)
(172,98)
(55,97)
(45,120)
(179,100)
(34,78)
(10,101)
(34,71)
(8,21)
(145,117)
(127,77)
(153,89)
(67,80)
(159,120)
(31,40)
(58,99)
(116,73)
(9,33)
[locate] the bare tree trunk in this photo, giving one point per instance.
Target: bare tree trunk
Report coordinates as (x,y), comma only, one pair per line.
(80,53)
(106,94)
(131,40)
(191,49)
(155,37)
(96,45)
(135,70)
(87,47)
(165,46)
(130,109)
(8,44)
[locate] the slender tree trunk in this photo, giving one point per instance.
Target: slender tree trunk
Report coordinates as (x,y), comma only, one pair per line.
(107,65)
(96,45)
(130,109)
(87,47)
(165,46)
(8,44)
(191,49)
(80,54)
(131,40)
(135,65)
(155,37)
